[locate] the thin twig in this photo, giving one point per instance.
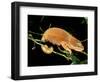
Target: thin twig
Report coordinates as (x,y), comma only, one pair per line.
(61,55)
(84,53)
(35,41)
(50,25)
(84,40)
(41,29)
(34,33)
(42,18)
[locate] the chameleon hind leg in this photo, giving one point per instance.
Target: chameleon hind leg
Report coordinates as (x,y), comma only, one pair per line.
(65,46)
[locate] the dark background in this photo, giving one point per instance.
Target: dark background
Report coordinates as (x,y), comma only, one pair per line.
(77,26)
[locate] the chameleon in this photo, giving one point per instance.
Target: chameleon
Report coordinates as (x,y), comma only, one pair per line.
(60,37)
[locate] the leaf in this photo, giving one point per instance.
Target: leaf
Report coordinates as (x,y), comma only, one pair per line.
(83,62)
(75,60)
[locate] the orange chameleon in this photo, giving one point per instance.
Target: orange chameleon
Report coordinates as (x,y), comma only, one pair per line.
(60,37)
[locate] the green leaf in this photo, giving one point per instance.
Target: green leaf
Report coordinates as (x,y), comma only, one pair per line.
(75,60)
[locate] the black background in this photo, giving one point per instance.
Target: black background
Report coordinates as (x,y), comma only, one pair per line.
(77,26)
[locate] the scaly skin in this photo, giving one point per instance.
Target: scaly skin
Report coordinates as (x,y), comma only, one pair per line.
(58,36)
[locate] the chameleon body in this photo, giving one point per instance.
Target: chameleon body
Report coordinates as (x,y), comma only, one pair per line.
(60,37)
